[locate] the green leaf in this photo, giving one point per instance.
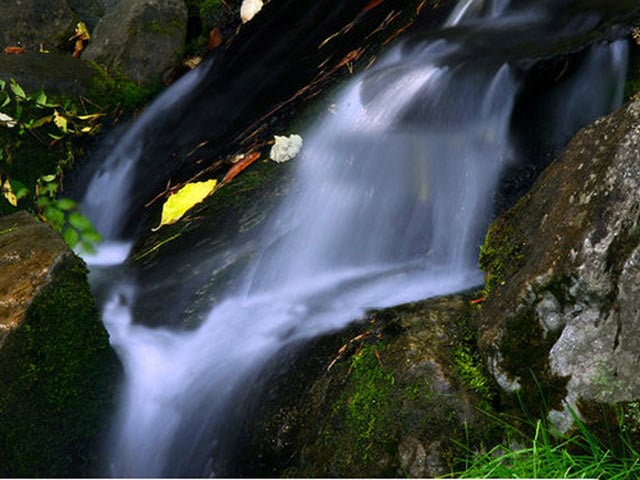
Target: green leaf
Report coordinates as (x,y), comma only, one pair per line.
(3,85)
(41,98)
(17,89)
(91,236)
(6,101)
(19,189)
(66,204)
(54,217)
(42,121)
(88,247)
(71,237)
(60,121)
(79,221)
(42,202)
(48,178)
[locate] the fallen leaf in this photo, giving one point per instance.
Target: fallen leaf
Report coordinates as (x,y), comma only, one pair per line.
(183,200)
(82,35)
(240,166)
(215,39)
(249,8)
(13,50)
(370,5)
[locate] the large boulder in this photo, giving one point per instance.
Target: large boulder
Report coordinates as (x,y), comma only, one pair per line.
(49,23)
(400,394)
(562,317)
(57,371)
(141,38)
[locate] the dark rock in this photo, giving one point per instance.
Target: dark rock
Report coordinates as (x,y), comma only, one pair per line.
(141,38)
(91,11)
(49,23)
(54,72)
(57,371)
(563,264)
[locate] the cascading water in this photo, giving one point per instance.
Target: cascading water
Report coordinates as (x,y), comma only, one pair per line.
(395,192)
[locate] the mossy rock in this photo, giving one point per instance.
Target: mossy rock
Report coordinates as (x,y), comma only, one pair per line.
(559,329)
(403,393)
(57,370)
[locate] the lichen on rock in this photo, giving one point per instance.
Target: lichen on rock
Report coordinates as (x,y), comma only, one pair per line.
(574,295)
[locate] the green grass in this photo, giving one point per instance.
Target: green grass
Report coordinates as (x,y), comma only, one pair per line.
(578,455)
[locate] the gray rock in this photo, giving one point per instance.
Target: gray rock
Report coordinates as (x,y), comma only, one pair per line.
(575,292)
(140,38)
(35,22)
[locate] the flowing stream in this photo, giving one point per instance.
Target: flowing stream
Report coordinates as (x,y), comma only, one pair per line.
(395,191)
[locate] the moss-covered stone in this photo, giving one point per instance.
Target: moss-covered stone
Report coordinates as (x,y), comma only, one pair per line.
(58,376)
(400,394)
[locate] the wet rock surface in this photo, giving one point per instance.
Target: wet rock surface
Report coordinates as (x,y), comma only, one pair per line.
(564,262)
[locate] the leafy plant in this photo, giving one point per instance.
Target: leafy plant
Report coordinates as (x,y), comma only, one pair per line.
(33,123)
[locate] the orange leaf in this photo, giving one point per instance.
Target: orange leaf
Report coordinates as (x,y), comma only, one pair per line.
(215,39)
(420,7)
(370,5)
(240,166)
(476,301)
(349,57)
(14,50)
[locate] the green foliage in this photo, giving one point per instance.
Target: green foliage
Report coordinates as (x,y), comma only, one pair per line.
(38,135)
(548,455)
(58,377)
(64,216)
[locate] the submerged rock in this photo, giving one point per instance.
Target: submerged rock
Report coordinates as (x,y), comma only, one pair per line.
(399,394)
(561,321)
(141,38)
(57,371)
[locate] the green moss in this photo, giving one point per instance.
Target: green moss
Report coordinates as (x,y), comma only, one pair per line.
(112,90)
(367,415)
(501,253)
(58,376)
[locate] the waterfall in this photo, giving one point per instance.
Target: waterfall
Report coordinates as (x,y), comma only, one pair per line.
(395,194)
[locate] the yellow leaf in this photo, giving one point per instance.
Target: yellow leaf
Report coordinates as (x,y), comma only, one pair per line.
(82,32)
(92,116)
(184,199)
(8,193)
(60,121)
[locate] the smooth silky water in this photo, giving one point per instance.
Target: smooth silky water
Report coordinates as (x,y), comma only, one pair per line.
(394,195)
